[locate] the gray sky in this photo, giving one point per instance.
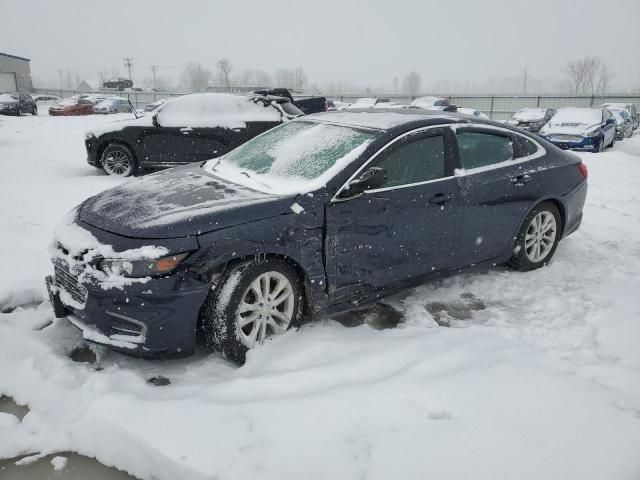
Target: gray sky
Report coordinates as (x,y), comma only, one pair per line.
(460,42)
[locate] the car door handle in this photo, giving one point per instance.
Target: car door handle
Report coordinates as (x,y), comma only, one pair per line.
(440,198)
(520,179)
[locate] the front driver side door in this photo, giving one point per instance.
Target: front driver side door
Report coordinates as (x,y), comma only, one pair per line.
(400,231)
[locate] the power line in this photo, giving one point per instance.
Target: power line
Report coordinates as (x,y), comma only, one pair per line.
(128,63)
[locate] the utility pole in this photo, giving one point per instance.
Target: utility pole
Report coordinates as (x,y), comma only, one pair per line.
(60,75)
(128,63)
(153,69)
(524,81)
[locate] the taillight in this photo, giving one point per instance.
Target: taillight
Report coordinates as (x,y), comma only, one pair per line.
(583,170)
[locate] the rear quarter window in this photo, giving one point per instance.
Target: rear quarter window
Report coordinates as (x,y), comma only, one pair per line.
(482,149)
(525,147)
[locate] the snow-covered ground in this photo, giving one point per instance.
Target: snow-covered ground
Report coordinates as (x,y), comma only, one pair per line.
(538,376)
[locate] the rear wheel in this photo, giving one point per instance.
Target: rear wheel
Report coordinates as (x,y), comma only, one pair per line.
(538,238)
(254,300)
(34,111)
(118,160)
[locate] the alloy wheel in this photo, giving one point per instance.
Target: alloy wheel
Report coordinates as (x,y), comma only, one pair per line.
(117,162)
(266,308)
(540,236)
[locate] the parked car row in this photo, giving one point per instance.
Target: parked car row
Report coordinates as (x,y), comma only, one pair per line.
(88,104)
(579,128)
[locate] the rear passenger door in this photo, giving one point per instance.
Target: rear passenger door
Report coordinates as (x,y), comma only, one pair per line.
(497,185)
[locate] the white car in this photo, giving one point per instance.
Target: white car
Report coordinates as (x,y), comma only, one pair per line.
(431,103)
(473,112)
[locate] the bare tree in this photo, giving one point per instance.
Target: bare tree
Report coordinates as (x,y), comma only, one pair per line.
(587,75)
(224,72)
(411,83)
(195,77)
(254,78)
(604,79)
(299,78)
(284,78)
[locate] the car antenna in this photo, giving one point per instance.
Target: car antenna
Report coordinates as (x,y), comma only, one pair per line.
(135,112)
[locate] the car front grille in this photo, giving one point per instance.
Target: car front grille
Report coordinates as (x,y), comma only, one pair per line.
(566,138)
(70,284)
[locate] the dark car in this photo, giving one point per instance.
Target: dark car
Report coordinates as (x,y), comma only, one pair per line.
(314,216)
(72,107)
(307,105)
(118,83)
(532,119)
(624,123)
(112,105)
(187,129)
(17,104)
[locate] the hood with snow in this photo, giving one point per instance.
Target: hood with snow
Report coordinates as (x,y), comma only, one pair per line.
(179,202)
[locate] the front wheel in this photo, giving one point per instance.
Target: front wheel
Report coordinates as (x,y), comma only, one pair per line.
(34,111)
(254,300)
(538,238)
(118,160)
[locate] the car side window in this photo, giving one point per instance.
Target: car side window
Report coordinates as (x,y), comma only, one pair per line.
(480,149)
(413,161)
(525,147)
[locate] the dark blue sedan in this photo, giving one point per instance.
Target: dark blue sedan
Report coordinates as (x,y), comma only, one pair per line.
(17,104)
(308,218)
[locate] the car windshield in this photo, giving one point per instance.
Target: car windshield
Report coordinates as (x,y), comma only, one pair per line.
(296,157)
(527,114)
(8,97)
(578,116)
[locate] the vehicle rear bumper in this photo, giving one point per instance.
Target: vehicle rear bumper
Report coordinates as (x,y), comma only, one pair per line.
(574,205)
(154,319)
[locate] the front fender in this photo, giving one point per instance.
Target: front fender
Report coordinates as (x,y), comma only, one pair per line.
(298,237)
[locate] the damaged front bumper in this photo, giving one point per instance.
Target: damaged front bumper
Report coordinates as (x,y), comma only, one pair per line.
(155,318)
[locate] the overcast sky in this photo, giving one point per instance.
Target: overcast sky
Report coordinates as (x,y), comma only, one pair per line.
(364,43)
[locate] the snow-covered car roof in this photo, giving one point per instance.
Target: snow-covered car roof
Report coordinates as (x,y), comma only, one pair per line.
(380,119)
(430,102)
(219,109)
(577,115)
(528,114)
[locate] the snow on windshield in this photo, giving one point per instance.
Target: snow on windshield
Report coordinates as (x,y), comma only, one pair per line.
(528,114)
(208,110)
(299,156)
(6,97)
(579,116)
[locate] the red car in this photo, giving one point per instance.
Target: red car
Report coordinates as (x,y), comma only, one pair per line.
(72,106)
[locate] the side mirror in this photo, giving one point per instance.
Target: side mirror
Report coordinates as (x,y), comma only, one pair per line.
(610,121)
(154,120)
(371,178)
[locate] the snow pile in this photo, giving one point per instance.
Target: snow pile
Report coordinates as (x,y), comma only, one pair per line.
(59,463)
(538,376)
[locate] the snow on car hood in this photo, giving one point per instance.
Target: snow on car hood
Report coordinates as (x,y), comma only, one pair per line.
(530,115)
(568,128)
(117,125)
(179,202)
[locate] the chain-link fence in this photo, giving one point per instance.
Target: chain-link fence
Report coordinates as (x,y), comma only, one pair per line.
(498,107)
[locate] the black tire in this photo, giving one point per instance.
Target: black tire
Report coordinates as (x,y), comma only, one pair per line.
(521,260)
(125,155)
(34,111)
(19,114)
(219,313)
(601,144)
(613,141)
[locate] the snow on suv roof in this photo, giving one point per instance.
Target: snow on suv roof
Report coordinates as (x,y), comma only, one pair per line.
(382,119)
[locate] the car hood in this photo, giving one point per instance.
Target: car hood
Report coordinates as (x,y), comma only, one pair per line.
(568,128)
(179,202)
